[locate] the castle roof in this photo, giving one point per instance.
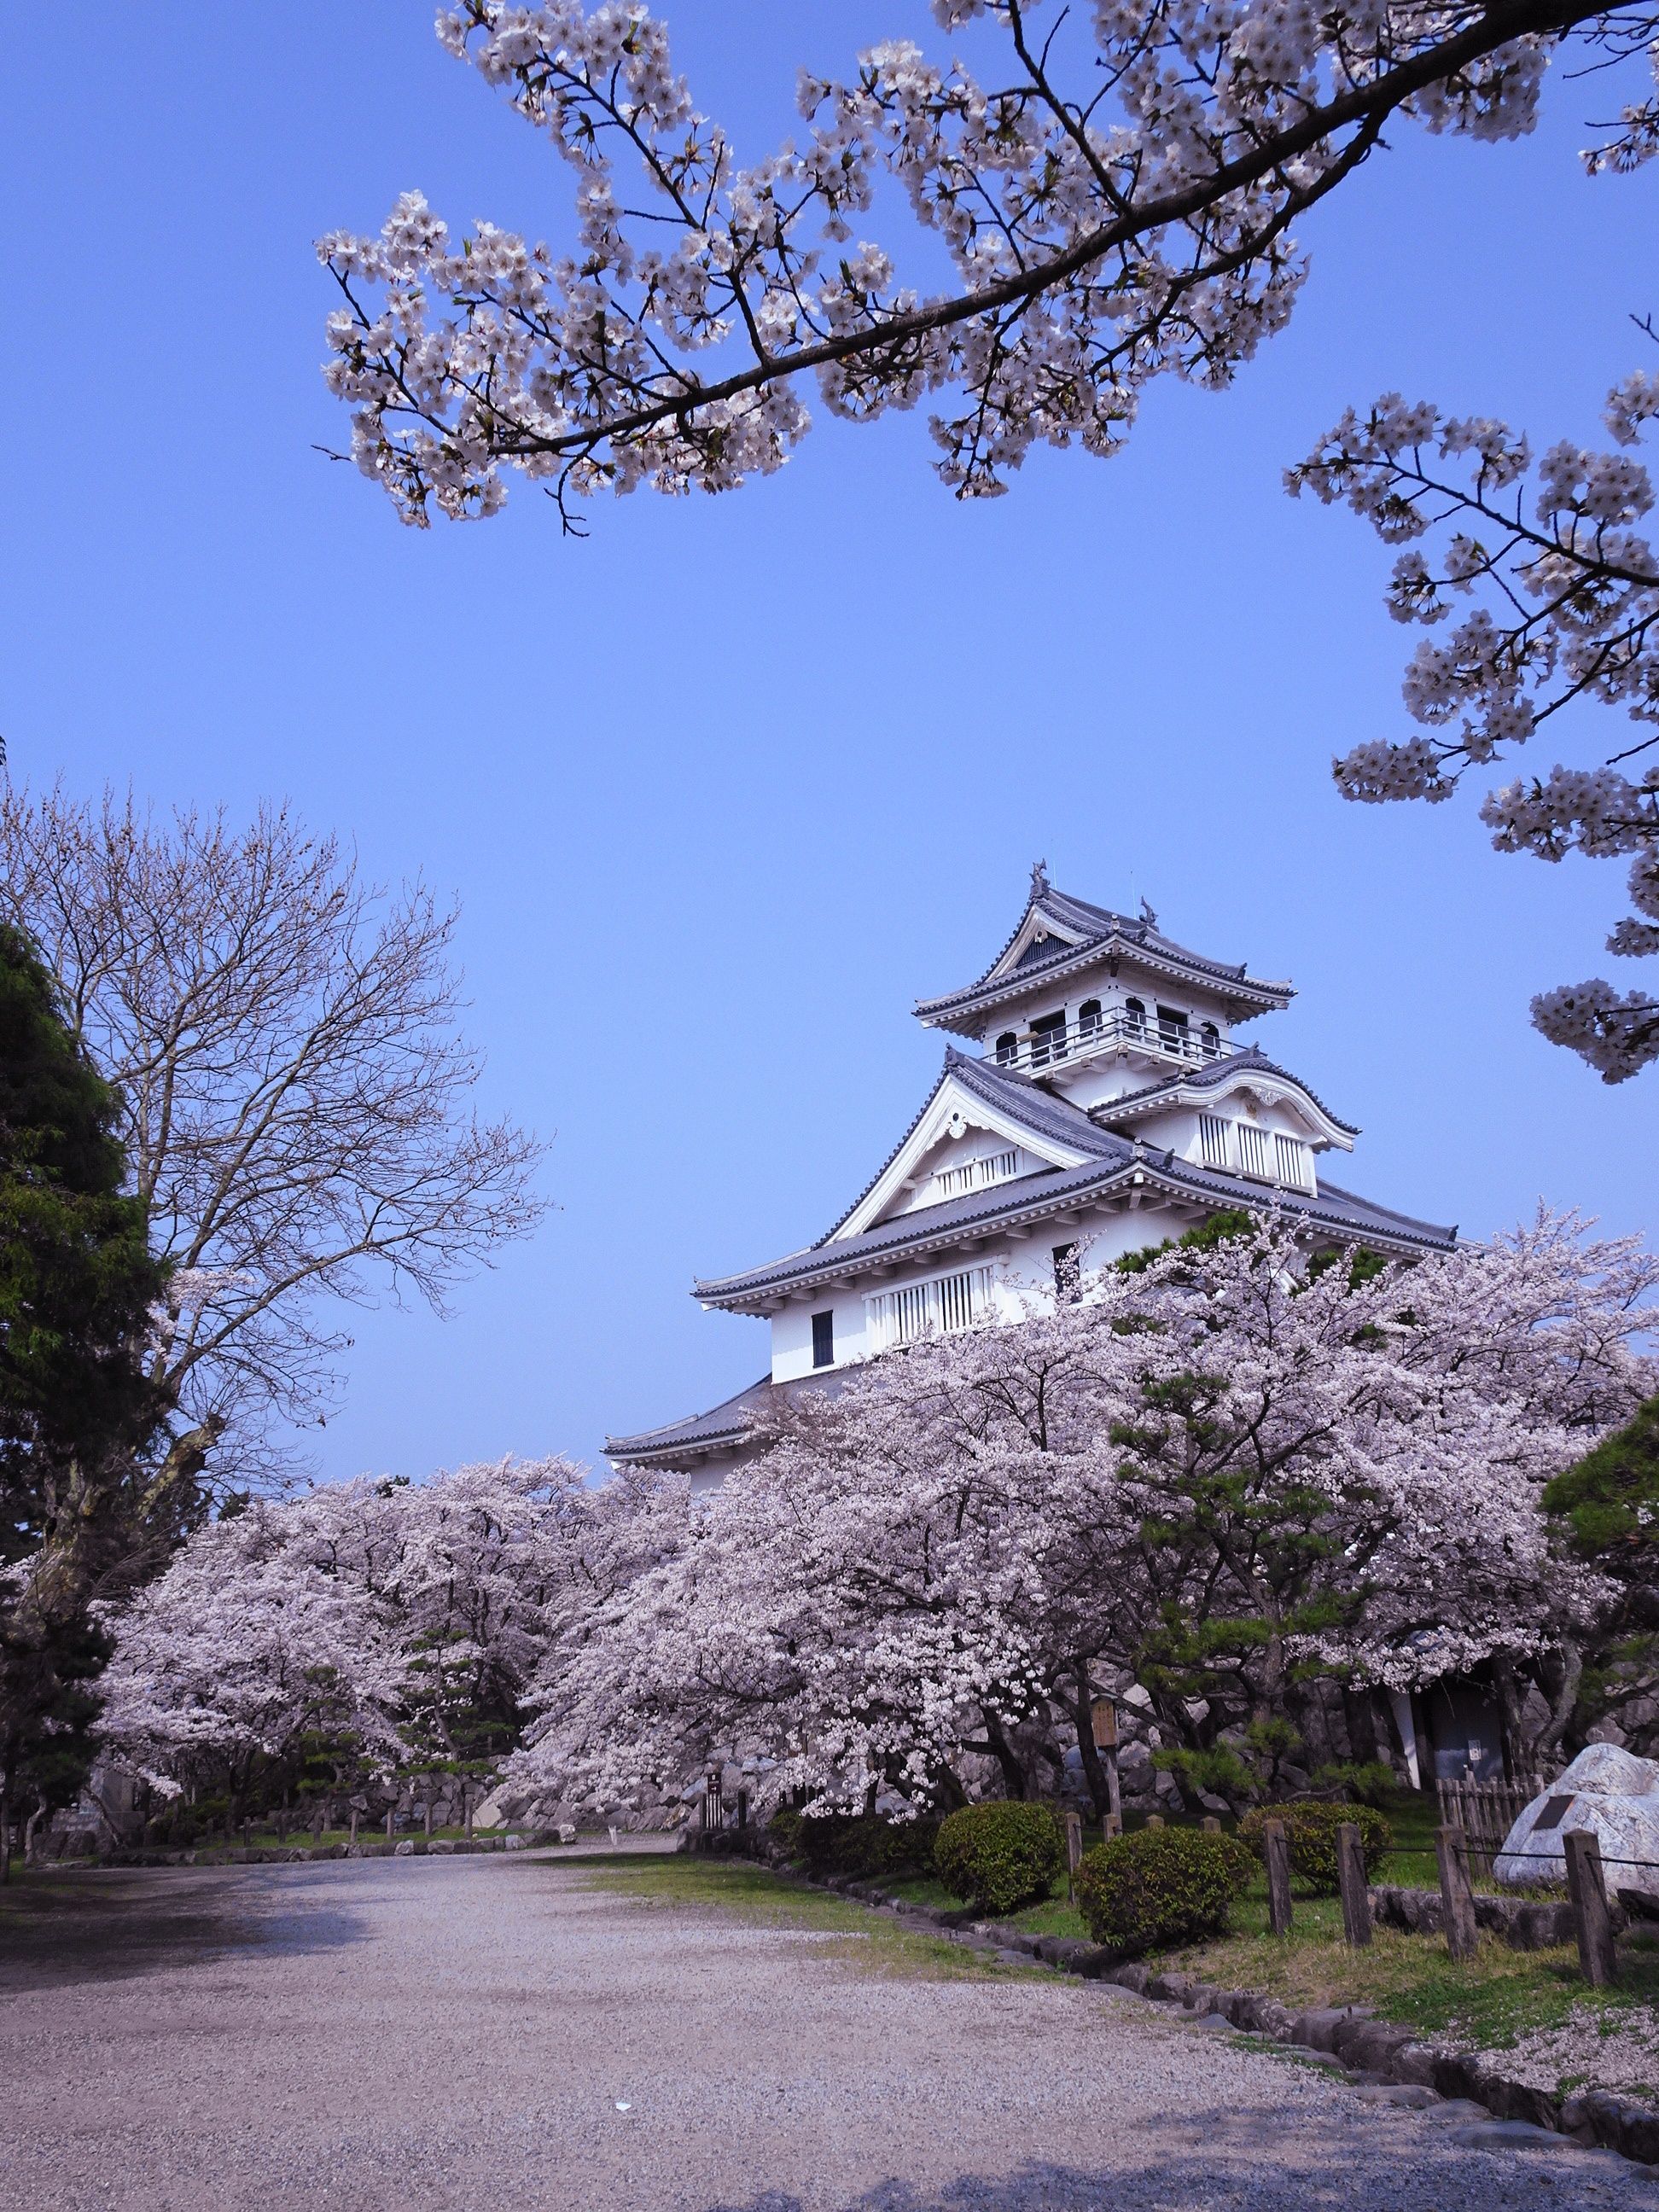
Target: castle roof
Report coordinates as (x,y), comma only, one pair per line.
(1112,1164)
(1058,935)
(1212,1075)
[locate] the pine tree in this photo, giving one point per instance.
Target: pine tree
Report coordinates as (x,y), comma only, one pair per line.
(76,1409)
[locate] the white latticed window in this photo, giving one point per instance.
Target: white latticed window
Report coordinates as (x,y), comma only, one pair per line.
(976,1175)
(1254,1157)
(1295,1162)
(950,1302)
(1212,1134)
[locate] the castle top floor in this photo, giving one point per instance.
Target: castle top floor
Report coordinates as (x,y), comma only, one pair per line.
(1088,1002)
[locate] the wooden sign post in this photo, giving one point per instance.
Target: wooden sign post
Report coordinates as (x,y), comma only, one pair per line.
(1074,1852)
(1102,1715)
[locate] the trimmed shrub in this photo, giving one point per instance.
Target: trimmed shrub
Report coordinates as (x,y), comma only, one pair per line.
(863,1845)
(1310,1826)
(1160,1885)
(999,1857)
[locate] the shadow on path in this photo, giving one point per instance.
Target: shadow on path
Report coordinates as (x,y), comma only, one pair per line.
(59,1931)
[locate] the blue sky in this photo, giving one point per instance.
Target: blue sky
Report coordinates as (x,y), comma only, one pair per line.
(727,788)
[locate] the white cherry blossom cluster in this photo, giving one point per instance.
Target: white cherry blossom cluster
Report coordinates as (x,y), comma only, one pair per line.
(1114,193)
(383,1615)
(1560,586)
(916,1572)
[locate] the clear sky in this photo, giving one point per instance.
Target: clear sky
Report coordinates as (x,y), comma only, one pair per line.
(727,788)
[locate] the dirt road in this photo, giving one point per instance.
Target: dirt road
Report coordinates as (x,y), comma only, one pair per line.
(494,2033)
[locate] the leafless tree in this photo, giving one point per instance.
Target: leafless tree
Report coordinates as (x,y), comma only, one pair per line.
(298,1096)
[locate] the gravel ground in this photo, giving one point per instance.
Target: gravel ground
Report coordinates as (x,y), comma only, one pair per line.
(482,2032)
(1613,2050)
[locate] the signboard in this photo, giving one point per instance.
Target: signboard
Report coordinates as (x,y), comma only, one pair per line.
(1104,1714)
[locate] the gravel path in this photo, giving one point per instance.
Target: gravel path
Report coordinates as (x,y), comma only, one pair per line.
(482,2032)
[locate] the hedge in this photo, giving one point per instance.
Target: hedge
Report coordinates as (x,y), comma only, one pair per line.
(999,1857)
(1160,1885)
(860,1844)
(1310,1826)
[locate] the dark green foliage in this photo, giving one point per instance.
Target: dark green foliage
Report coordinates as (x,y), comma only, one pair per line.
(1362,1266)
(1310,1826)
(862,1844)
(77,1277)
(1160,1885)
(77,1407)
(999,1857)
(1219,1229)
(1607,1505)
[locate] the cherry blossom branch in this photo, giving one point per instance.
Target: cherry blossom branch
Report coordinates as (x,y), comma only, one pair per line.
(1575,588)
(575,371)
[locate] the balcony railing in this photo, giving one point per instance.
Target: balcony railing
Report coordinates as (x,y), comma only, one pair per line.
(1040,1051)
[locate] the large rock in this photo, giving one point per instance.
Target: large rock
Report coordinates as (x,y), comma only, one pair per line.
(1610,1794)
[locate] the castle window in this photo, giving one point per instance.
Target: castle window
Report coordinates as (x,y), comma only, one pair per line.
(823,1339)
(1209,1038)
(1254,1155)
(1295,1162)
(938,1308)
(1007,1049)
(1172,1029)
(1212,1135)
(1088,1022)
(1068,1275)
(1047,1039)
(1134,1016)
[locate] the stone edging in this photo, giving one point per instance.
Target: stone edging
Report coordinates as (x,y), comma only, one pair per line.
(1376,2050)
(296,1854)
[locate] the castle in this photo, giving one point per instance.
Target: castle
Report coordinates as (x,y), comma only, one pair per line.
(1110,1104)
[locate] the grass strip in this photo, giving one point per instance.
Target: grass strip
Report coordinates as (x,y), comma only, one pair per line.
(869,1940)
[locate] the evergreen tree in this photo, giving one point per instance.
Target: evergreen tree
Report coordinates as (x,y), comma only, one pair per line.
(76,1282)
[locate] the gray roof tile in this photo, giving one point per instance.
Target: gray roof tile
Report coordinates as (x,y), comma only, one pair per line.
(1099,925)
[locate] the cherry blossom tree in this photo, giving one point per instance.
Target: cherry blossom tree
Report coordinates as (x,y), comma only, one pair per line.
(1227,1475)
(1115,191)
(384,1630)
(1559,585)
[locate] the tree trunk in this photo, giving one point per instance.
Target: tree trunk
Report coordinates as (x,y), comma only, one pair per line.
(1517,1752)
(1566,1697)
(5,1830)
(30,1826)
(1013,1774)
(1360,1715)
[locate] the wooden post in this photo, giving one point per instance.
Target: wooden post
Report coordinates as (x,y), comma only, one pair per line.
(1112,1825)
(467,1800)
(1451,1852)
(388,1823)
(1074,1852)
(427,1810)
(1597,1961)
(354,1827)
(1210,1824)
(1278,1876)
(1155,1819)
(1351,1875)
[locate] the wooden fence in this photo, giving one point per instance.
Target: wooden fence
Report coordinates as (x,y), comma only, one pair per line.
(1486,1812)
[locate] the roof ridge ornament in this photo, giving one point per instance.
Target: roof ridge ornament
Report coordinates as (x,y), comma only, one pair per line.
(1039,879)
(1147,915)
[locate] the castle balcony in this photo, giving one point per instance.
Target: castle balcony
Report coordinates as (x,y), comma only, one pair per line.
(1059,1041)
